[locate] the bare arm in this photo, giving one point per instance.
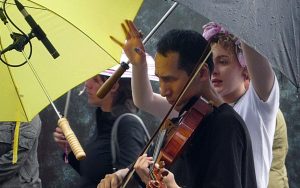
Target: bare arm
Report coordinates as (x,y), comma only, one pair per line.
(260,70)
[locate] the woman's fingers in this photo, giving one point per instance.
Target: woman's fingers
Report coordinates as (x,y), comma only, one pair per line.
(127,34)
(64,142)
(60,139)
(59,136)
(59,130)
(132,29)
(117,41)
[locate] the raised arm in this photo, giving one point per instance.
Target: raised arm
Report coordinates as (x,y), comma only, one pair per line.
(143,95)
(260,70)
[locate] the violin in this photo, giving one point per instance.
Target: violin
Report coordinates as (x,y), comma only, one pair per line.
(187,126)
(179,138)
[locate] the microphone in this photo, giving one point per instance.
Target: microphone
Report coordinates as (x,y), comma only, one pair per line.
(37,30)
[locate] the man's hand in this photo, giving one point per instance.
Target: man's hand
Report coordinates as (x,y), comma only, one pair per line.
(141,167)
(168,179)
(163,178)
(113,180)
(133,46)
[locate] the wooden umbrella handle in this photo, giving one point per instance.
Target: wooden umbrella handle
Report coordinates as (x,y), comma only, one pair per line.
(71,138)
(110,82)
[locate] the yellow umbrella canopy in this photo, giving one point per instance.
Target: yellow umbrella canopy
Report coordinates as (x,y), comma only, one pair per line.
(79,30)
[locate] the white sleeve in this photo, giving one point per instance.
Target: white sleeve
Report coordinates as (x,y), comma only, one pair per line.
(268,108)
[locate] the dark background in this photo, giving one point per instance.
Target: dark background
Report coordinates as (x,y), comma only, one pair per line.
(55,173)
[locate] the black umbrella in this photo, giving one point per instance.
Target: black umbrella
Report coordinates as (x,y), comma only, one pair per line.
(270,27)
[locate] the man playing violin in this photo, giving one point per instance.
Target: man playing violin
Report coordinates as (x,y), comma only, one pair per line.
(219,154)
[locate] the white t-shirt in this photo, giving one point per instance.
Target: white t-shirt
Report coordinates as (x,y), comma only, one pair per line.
(260,119)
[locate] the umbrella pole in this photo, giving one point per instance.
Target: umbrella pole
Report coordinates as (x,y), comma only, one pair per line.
(108,84)
(160,22)
(62,122)
(42,85)
(67,103)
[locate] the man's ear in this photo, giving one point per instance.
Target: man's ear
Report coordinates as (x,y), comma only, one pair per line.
(204,73)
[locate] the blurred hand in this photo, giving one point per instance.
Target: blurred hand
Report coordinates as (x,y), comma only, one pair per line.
(141,167)
(163,178)
(133,46)
(113,180)
(60,139)
(168,179)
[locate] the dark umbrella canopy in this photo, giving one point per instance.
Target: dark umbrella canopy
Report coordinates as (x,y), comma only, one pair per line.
(271,27)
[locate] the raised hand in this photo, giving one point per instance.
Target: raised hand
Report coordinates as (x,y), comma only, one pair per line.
(133,46)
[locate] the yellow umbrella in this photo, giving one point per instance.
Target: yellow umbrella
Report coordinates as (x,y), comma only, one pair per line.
(79,30)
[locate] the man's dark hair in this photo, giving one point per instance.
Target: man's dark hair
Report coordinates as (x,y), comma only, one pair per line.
(189,44)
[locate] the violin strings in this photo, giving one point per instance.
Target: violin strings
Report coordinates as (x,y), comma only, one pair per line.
(158,145)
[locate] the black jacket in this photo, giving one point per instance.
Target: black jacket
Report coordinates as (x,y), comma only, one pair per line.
(98,160)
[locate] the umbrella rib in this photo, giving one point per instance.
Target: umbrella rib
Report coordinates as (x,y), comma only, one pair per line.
(293,74)
(25,5)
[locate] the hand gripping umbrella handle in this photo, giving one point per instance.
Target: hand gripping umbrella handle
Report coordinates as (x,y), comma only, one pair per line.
(71,138)
(109,83)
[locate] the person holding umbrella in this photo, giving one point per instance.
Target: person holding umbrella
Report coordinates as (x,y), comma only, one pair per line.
(258,104)
(119,137)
